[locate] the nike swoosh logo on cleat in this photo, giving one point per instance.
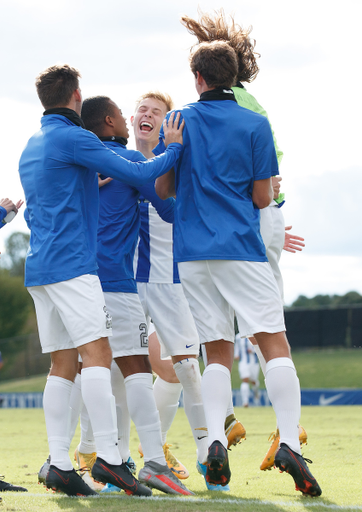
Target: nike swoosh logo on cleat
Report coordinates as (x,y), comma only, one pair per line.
(132,488)
(202,437)
(65,481)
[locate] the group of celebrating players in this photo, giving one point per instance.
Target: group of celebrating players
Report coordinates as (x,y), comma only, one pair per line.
(111,250)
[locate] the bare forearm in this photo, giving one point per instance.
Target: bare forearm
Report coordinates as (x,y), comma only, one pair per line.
(165,185)
(262,193)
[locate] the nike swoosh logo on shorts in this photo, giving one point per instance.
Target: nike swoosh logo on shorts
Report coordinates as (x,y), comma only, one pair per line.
(189,346)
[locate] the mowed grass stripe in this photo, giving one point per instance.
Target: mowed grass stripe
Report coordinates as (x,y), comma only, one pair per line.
(334,440)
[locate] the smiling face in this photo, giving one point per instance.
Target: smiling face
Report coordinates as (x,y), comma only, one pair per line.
(148,119)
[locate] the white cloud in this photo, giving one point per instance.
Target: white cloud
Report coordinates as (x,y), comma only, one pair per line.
(309,83)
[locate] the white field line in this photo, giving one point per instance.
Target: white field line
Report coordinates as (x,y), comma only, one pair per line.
(301,504)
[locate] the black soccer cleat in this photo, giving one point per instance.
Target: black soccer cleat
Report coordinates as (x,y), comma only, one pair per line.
(294,464)
(120,476)
(218,470)
(5,486)
(68,482)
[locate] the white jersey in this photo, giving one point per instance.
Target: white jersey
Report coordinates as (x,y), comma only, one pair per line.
(154,262)
(244,350)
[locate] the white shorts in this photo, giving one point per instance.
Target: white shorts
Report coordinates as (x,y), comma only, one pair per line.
(249,370)
(217,288)
(166,304)
(130,337)
(70,313)
(272,230)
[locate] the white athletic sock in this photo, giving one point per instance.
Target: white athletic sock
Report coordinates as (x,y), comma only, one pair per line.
(123,417)
(188,373)
(244,390)
(56,399)
(261,359)
(143,411)
(87,443)
(216,390)
(100,404)
(76,404)
(284,394)
(167,396)
(230,408)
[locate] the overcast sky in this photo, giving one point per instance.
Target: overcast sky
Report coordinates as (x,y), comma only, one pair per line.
(309,83)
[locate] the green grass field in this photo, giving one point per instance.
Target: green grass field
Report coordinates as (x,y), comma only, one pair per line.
(328,368)
(334,444)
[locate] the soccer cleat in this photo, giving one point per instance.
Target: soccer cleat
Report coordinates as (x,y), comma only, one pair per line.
(43,471)
(201,468)
(68,482)
(131,465)
(177,468)
(268,461)
(110,488)
(5,486)
(294,464)
(120,476)
(218,470)
(85,462)
(235,432)
(162,478)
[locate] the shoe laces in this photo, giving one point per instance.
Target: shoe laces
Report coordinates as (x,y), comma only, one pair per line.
(273,435)
(168,455)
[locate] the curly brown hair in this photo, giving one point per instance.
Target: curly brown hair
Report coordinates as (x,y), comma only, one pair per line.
(214,29)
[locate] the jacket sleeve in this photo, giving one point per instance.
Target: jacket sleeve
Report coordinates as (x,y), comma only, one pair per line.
(165,208)
(89,152)
(3,214)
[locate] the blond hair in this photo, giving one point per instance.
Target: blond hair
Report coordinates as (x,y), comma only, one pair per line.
(156,95)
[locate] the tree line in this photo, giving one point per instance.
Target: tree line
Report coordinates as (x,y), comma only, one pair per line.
(17,316)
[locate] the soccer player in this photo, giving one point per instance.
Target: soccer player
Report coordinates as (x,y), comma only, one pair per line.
(248,366)
(275,237)
(163,299)
(59,173)
(118,229)
(221,182)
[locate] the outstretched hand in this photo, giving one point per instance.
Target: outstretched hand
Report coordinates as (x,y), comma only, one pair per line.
(172,130)
(292,243)
(10,206)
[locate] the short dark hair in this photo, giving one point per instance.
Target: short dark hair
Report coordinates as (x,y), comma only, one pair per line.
(56,85)
(216,62)
(94,112)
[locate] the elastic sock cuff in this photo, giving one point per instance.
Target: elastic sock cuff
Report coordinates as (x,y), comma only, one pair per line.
(217,367)
(53,379)
(101,372)
(146,377)
(279,362)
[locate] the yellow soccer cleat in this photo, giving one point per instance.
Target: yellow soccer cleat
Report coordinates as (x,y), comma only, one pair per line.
(234,431)
(85,463)
(177,468)
(268,461)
